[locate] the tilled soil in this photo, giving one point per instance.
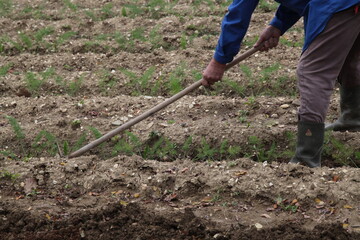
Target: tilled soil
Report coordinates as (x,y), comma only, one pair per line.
(251,194)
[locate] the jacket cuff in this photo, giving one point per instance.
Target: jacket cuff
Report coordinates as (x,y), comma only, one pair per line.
(222,59)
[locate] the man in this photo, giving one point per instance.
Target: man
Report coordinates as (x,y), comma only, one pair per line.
(331,51)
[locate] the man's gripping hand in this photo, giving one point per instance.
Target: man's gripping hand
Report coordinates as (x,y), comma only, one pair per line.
(269,38)
(213,73)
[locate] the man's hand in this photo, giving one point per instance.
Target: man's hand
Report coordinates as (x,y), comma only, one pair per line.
(269,38)
(213,73)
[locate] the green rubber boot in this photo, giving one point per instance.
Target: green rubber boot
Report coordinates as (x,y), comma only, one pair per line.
(349,119)
(310,141)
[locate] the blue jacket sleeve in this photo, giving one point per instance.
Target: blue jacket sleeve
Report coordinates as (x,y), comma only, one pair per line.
(233,29)
(284,18)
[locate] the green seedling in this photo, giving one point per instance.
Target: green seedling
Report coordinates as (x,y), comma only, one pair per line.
(205,151)
(45,141)
(16,127)
(186,147)
(35,81)
(342,154)
(107,80)
(6,7)
(138,34)
(268,6)
(80,142)
(5,174)
(5,69)
(66,148)
(63,38)
(286,205)
(73,7)
(9,155)
(107,11)
(124,12)
(26,40)
(175,79)
(139,83)
(75,85)
(268,71)
(42,33)
(91,15)
(133,10)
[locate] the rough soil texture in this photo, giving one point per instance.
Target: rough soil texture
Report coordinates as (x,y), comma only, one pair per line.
(117,196)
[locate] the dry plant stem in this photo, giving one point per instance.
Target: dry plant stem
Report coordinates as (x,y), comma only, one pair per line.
(155,109)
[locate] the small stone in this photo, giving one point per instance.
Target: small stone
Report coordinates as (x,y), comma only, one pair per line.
(296,102)
(258,226)
(117,123)
(274,115)
(124,119)
(217,236)
(285,106)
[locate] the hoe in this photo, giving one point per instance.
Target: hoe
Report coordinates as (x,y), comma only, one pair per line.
(155,109)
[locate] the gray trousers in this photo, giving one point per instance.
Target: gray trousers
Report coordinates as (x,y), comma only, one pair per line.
(333,55)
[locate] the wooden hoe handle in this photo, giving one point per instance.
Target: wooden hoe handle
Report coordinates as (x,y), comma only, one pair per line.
(155,109)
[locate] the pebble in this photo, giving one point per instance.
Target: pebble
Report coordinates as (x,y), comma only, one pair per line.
(124,119)
(258,226)
(117,123)
(285,106)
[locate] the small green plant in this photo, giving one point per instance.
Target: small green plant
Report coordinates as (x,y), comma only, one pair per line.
(124,44)
(6,7)
(260,152)
(268,6)
(91,15)
(268,71)
(9,155)
(45,141)
(155,38)
(342,154)
(124,12)
(26,40)
(234,86)
(73,7)
(66,148)
(133,10)
(75,85)
(42,33)
(80,142)
(33,83)
(5,174)
(139,83)
(138,34)
(175,79)
(107,80)
(183,41)
(5,69)
(286,205)
(63,38)
(186,147)
(16,128)
(205,151)
(107,11)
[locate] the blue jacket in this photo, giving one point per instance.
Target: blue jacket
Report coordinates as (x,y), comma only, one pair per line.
(316,14)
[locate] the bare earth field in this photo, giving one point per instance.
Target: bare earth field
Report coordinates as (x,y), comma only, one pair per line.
(212,165)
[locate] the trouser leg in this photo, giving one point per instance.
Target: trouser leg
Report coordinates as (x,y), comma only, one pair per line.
(318,69)
(349,79)
(321,64)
